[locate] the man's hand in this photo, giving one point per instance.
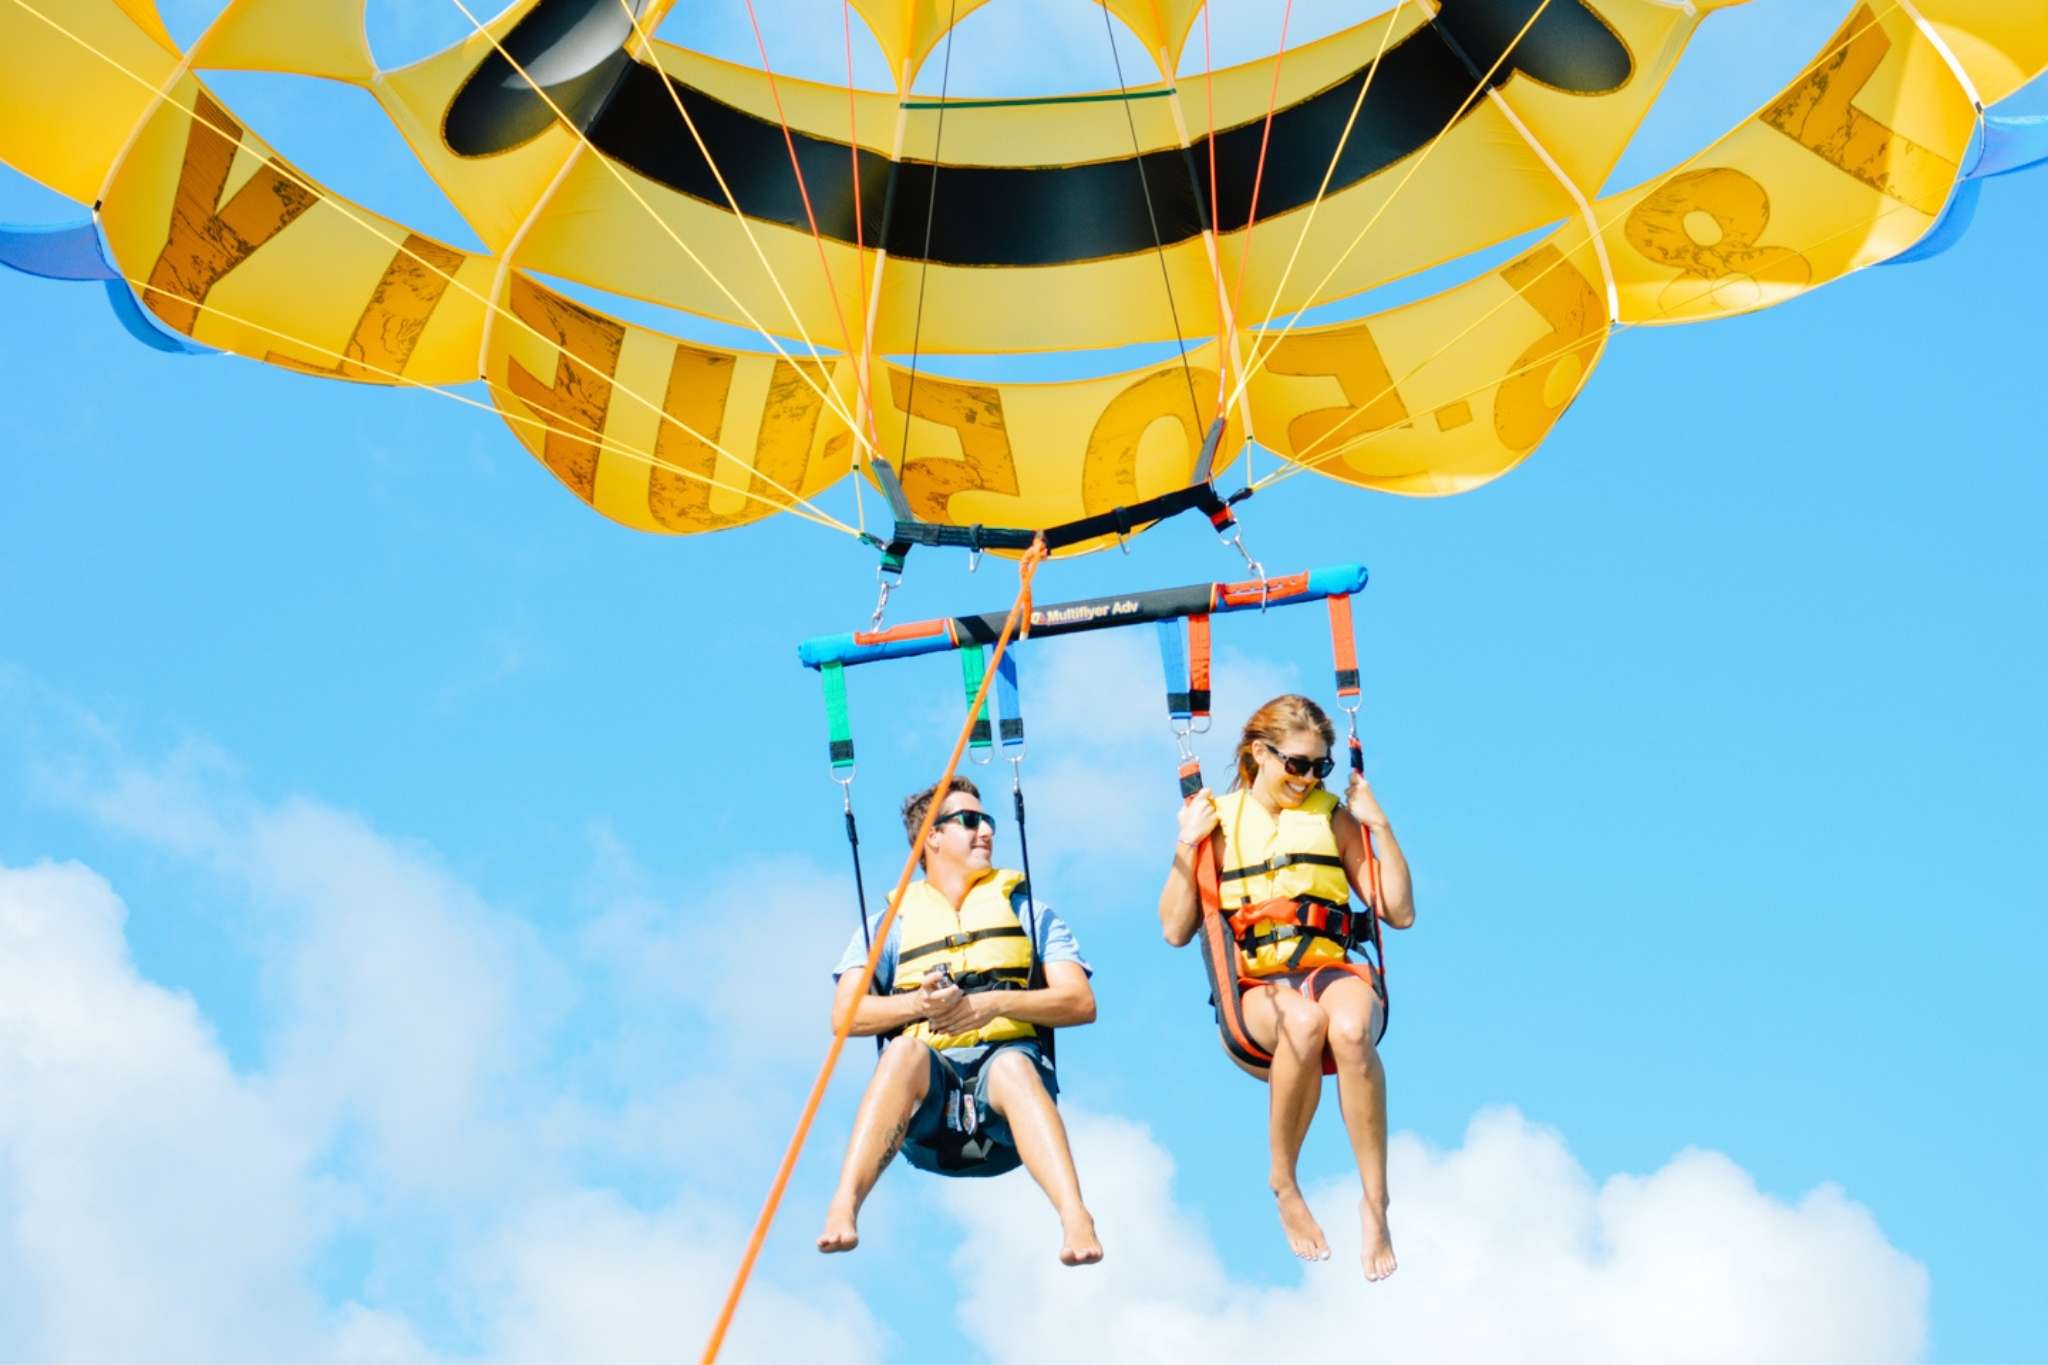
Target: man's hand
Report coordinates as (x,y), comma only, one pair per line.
(964,1013)
(1363,805)
(1198,817)
(932,1003)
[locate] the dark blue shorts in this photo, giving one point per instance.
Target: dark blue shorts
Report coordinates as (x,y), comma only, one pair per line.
(954,1132)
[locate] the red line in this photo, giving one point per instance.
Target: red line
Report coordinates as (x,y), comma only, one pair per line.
(789,139)
(1259,176)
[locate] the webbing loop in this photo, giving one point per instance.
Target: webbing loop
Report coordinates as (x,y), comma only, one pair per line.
(973,669)
(1344,652)
(1009,711)
(1198,673)
(834,677)
(1173,657)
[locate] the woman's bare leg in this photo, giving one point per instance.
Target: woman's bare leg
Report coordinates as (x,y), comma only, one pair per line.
(1291,1027)
(1362,1095)
(1016,1092)
(903,1075)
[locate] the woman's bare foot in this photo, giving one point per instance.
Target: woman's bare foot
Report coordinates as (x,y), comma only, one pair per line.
(1079,1244)
(1378,1255)
(1304,1234)
(841,1233)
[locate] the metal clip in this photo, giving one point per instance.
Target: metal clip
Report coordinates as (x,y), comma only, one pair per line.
(1236,542)
(889,584)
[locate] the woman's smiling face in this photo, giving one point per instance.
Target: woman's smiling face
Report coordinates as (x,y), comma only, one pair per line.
(1278,788)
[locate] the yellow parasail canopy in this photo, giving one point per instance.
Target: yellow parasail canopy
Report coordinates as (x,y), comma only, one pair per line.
(854,230)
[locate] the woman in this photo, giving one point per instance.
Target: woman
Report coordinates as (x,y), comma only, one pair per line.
(1288,844)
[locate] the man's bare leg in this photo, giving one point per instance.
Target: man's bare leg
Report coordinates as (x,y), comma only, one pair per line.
(1362,1094)
(1016,1092)
(901,1080)
(1292,1028)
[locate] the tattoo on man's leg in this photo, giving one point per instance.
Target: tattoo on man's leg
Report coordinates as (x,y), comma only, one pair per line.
(894,1145)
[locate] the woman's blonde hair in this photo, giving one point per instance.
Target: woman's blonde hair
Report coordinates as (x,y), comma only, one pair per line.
(1272,724)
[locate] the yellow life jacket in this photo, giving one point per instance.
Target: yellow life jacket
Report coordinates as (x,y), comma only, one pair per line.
(1287,858)
(982,944)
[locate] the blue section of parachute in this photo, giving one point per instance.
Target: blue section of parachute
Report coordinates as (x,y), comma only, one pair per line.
(2002,146)
(65,251)
(73,251)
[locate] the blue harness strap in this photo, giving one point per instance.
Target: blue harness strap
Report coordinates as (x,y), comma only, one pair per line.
(1009,711)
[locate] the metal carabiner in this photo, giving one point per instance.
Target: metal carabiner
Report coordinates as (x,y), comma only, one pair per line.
(1258,570)
(888,585)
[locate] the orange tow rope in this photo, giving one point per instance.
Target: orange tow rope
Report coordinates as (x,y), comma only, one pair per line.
(1020,611)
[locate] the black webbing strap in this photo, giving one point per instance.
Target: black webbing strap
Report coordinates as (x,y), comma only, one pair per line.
(1118,521)
(1278,861)
(1036,981)
(952,941)
(973,983)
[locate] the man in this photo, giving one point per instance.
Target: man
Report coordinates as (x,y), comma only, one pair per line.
(971,976)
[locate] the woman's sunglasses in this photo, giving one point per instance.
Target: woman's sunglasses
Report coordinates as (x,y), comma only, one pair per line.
(970,820)
(1296,765)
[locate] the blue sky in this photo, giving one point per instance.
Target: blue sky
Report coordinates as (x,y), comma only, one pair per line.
(481,873)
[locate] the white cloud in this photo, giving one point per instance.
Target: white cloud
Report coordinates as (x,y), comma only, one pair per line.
(1508,1251)
(155,1204)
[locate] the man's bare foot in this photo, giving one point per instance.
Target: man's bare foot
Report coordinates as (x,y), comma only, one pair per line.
(1378,1255)
(840,1232)
(1078,1243)
(1304,1234)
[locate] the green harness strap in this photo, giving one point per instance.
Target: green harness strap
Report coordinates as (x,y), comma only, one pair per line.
(834,676)
(973,668)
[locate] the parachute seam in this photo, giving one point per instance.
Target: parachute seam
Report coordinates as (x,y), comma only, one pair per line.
(1578,197)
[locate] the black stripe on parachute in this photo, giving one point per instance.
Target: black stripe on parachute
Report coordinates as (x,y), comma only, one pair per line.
(1019,215)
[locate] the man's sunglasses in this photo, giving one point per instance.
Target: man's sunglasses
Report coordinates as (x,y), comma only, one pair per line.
(970,820)
(1297,766)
